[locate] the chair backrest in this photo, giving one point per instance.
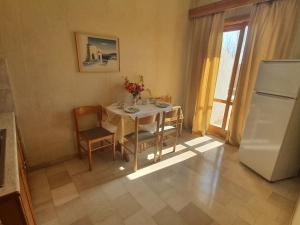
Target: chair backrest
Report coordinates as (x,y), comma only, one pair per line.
(172,116)
(164,98)
(147,120)
(87,110)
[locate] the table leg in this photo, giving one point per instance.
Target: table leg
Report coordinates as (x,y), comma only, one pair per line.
(126,156)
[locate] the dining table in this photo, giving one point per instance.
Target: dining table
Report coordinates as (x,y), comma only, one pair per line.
(122,122)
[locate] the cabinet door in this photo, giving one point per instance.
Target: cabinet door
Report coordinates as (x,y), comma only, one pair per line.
(25,197)
(11,212)
(25,203)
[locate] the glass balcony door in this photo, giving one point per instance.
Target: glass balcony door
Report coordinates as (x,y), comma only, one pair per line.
(233,44)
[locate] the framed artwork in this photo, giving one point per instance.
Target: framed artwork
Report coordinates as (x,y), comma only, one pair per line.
(97,53)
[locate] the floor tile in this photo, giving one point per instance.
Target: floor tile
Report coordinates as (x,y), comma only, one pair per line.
(126,205)
(83,221)
(114,219)
(194,215)
(38,179)
(76,166)
(174,199)
(84,181)
(45,213)
(219,213)
(280,201)
(140,218)
(114,189)
(52,222)
(145,196)
(212,187)
(168,216)
(40,196)
(64,194)
(55,169)
(71,211)
(241,209)
(239,221)
(59,179)
(97,205)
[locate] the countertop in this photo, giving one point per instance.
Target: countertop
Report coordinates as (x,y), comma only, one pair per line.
(11,174)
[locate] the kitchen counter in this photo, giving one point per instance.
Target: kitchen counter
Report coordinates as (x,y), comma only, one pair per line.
(11,173)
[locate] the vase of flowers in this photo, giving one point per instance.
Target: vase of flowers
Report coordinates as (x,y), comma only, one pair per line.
(135,89)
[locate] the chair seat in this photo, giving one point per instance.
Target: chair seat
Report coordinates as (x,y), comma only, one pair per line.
(148,128)
(94,133)
(94,146)
(152,129)
(143,136)
(168,129)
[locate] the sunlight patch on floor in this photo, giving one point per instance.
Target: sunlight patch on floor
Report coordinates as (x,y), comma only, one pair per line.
(198,140)
(161,165)
(167,150)
(209,146)
(121,168)
(167,127)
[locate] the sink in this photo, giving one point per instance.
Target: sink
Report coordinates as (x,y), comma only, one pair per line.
(2,155)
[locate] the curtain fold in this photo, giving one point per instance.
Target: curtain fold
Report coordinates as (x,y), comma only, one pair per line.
(203,69)
(269,36)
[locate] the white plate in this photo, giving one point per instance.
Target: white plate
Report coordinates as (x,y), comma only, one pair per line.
(131,110)
(162,104)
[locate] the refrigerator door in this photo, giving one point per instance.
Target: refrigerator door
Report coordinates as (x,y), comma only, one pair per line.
(264,132)
(279,78)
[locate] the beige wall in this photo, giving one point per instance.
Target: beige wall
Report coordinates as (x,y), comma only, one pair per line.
(296,38)
(6,99)
(37,40)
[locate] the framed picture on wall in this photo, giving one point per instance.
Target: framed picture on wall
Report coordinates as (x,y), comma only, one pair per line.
(97,53)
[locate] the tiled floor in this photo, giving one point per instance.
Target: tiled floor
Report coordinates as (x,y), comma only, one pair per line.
(203,183)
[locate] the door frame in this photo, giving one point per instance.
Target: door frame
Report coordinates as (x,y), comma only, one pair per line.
(232,24)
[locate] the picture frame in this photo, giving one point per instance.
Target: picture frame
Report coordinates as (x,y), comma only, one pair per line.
(97,53)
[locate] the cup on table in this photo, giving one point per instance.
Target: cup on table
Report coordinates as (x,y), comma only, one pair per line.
(145,101)
(152,100)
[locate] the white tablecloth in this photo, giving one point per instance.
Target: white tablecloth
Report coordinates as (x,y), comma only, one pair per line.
(145,110)
(124,122)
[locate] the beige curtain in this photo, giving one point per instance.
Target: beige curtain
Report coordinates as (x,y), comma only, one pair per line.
(269,36)
(203,68)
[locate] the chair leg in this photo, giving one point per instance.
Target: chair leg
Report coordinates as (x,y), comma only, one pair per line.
(122,151)
(114,147)
(135,166)
(79,149)
(180,129)
(156,148)
(175,142)
(161,146)
(90,155)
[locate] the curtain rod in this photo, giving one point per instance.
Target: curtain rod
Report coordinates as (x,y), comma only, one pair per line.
(221,6)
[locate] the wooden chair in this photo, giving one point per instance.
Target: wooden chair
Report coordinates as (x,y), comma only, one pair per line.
(170,126)
(95,138)
(180,119)
(168,99)
(140,137)
(164,98)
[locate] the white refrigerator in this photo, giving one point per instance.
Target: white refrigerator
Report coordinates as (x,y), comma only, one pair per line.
(271,142)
